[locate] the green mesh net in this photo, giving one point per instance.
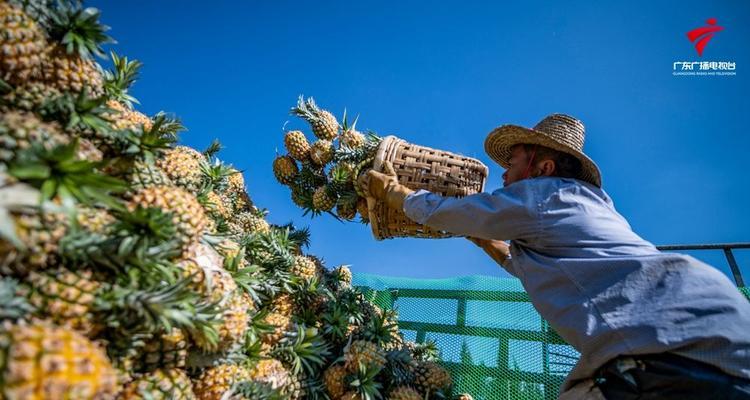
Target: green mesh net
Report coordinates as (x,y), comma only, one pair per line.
(490,336)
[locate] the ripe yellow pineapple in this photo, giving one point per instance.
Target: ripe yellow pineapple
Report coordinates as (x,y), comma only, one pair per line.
(321,152)
(343,274)
(182,165)
(42,361)
(333,379)
(346,211)
(167,350)
(271,372)
(280,323)
(95,220)
(236,182)
(283,304)
(364,352)
(210,279)
(429,377)
(161,384)
(352,139)
(250,222)
(285,169)
(122,117)
(296,145)
(65,297)
(304,267)
(40,233)
(234,320)
(322,200)
(404,393)
(217,205)
(69,72)
(324,125)
(22,45)
(187,214)
(18,131)
(214,382)
(29,95)
(141,174)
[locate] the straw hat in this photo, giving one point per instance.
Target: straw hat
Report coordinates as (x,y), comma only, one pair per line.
(556,131)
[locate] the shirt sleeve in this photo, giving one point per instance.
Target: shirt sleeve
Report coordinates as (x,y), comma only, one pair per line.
(506,214)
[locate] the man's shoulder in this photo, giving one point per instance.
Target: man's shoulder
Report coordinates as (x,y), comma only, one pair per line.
(545,187)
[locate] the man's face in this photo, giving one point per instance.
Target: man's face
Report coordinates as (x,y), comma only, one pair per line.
(518,161)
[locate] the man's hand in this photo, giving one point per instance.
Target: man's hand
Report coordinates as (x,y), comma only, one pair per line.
(385,186)
(497,249)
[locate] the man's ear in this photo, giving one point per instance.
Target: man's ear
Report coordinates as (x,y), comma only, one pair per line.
(547,167)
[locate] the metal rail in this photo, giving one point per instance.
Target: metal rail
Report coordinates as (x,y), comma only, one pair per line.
(726,247)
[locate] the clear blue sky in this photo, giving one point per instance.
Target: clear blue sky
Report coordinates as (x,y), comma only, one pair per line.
(672,150)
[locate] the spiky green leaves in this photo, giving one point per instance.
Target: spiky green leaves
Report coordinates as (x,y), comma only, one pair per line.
(302,349)
(118,81)
(78,30)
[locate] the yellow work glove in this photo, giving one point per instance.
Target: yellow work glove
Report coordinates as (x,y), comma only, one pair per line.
(385,187)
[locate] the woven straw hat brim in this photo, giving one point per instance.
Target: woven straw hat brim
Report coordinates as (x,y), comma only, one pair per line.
(500,140)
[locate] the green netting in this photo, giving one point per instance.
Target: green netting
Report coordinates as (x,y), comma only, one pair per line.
(491,339)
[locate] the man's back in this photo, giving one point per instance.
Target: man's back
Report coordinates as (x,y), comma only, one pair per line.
(609,292)
(604,289)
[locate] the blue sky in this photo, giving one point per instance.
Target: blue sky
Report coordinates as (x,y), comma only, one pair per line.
(442,74)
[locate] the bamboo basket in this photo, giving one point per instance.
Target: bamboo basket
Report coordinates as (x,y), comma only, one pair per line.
(420,167)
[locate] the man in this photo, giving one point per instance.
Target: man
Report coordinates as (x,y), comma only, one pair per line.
(648,325)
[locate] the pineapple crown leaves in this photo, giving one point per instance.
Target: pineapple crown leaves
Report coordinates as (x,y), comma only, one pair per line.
(159,309)
(57,172)
(380,329)
(216,173)
(302,349)
(144,233)
(145,144)
(426,351)
(12,306)
(78,112)
(121,78)
(335,321)
(253,390)
(250,281)
(359,154)
(297,237)
(345,127)
(363,382)
(168,125)
(307,109)
(78,29)
(214,148)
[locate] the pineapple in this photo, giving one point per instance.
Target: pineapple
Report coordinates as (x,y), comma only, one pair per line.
(167,350)
(271,372)
(321,152)
(285,169)
(217,205)
(183,166)
(250,222)
(215,381)
(76,36)
(430,377)
(304,267)
(30,95)
(324,125)
(122,118)
(352,139)
(18,131)
(143,174)
(404,393)
(94,220)
(297,146)
(235,320)
(236,182)
(346,211)
(333,378)
(210,279)
(363,352)
(22,45)
(343,274)
(162,384)
(280,324)
(40,233)
(322,199)
(187,214)
(64,296)
(42,361)
(283,304)
(363,209)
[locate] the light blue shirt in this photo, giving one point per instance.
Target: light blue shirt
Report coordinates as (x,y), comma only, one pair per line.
(603,288)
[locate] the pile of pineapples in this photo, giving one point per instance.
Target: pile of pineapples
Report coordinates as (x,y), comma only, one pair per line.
(134,268)
(322,176)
